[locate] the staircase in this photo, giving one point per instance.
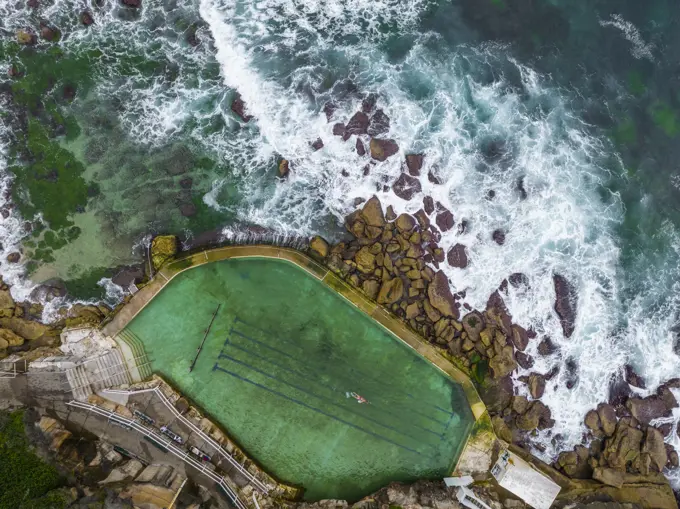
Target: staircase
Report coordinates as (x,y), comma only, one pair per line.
(135,357)
(79,382)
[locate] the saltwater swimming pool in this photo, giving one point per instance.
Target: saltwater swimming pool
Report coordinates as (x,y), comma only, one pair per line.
(281,369)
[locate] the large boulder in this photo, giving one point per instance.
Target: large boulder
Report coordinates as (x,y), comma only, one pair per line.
(405,223)
(503,363)
(473,324)
(319,247)
(607,415)
(520,338)
(566,301)
(381,148)
(358,124)
(406,186)
(27,329)
(445,220)
(496,394)
(538,416)
(372,213)
(623,449)
(644,410)
(391,291)
(163,248)
(655,447)
(439,294)
(457,257)
(9,338)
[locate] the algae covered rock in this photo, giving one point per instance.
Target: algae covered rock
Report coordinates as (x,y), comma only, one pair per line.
(163,249)
(27,329)
(319,247)
(9,338)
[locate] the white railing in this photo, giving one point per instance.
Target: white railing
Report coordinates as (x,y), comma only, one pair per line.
(251,478)
(160,439)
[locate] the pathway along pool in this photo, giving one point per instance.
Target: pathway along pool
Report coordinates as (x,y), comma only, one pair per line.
(277,370)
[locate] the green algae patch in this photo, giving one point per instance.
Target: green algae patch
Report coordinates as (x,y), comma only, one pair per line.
(53,180)
(664,117)
(283,369)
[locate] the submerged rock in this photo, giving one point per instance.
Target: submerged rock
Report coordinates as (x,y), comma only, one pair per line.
(565,304)
(498,237)
(86,18)
(633,378)
(284,168)
(26,38)
(361,150)
(132,3)
(318,144)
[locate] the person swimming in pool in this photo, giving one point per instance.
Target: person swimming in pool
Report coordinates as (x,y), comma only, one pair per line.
(360,399)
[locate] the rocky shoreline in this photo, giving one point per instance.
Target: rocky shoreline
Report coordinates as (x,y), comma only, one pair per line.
(391,259)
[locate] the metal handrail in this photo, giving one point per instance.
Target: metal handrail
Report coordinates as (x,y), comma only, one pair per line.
(183,455)
(254,480)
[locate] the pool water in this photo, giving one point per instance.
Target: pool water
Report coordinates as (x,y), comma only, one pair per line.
(282,368)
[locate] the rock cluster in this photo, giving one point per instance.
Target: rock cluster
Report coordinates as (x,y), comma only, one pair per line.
(624,446)
(389,259)
(163,249)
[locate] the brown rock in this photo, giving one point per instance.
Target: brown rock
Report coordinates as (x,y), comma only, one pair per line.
(365,260)
(519,337)
(473,324)
(457,257)
(592,422)
(27,329)
(428,205)
(498,237)
(623,448)
(445,220)
(405,187)
(391,291)
(536,385)
(371,288)
(496,394)
(339,129)
(284,168)
(86,18)
(607,415)
(405,223)
(13,257)
(565,304)
(358,124)
(520,404)
(361,150)
(26,38)
(238,106)
(414,162)
(412,310)
(503,363)
(368,103)
(372,213)
(391,215)
(537,416)
(48,33)
(317,144)
(380,123)
(524,360)
(440,296)
(633,378)
(132,3)
(644,410)
(9,338)
(654,446)
(319,246)
(381,149)
(502,429)
(547,347)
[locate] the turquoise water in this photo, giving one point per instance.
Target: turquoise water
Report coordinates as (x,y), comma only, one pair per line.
(281,357)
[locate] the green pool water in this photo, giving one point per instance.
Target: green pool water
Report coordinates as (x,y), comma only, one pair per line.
(281,357)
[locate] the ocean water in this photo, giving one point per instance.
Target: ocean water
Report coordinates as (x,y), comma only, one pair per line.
(555,122)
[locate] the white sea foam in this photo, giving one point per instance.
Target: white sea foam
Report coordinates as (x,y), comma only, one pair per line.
(640,49)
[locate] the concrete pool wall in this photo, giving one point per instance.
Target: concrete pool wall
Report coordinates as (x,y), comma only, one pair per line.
(481,438)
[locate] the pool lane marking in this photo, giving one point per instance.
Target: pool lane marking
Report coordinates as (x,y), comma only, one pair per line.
(217,367)
(349,366)
(222,355)
(330,387)
(297,360)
